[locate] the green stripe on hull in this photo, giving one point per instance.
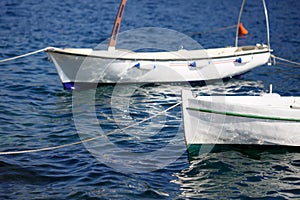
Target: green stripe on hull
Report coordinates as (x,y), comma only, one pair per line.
(243,115)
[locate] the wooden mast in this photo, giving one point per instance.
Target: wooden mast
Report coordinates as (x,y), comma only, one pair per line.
(117,24)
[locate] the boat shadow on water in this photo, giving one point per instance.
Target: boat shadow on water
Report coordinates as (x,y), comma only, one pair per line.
(196,152)
(81,86)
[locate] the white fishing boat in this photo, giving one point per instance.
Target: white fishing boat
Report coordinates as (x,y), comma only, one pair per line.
(113,65)
(268,119)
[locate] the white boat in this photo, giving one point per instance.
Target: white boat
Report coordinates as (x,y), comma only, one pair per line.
(113,65)
(269,119)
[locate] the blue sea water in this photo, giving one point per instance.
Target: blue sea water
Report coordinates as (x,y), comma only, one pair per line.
(149,160)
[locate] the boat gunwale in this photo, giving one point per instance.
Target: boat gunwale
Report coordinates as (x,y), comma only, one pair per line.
(250,116)
(119,57)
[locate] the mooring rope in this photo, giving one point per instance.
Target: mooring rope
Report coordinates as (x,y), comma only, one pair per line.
(89,139)
(285,60)
(27,54)
(97,137)
(194,33)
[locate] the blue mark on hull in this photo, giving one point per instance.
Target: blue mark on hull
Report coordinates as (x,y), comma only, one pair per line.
(69,86)
(193,64)
(138,65)
(238,60)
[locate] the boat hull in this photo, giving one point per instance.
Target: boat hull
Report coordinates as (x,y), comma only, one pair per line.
(241,120)
(111,67)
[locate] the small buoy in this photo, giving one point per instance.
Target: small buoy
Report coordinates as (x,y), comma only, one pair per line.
(242,29)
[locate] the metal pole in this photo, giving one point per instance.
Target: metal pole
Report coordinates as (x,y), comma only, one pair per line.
(267,23)
(237,27)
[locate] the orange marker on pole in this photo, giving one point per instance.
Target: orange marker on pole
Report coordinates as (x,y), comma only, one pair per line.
(242,29)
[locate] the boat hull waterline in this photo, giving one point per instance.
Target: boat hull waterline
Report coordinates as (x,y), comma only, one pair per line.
(241,120)
(123,66)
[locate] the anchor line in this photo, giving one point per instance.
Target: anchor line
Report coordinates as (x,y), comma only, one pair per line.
(48,48)
(26,54)
(297,64)
(89,139)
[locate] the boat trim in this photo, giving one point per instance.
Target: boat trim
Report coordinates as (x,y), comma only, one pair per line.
(243,115)
(156,59)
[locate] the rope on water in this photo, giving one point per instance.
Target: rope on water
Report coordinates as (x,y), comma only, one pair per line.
(25,55)
(89,139)
(285,60)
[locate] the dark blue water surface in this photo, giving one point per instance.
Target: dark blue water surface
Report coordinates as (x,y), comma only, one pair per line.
(148,160)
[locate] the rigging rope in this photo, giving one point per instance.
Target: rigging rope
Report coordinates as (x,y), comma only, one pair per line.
(285,60)
(89,139)
(25,55)
(213,30)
